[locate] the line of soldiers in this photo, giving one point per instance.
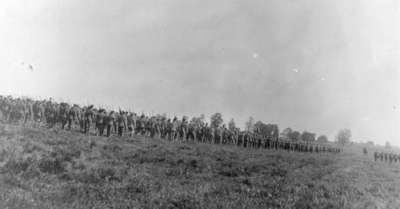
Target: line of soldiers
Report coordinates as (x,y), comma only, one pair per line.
(101,122)
(387,157)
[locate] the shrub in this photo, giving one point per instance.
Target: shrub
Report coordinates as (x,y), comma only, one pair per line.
(51,165)
(17,166)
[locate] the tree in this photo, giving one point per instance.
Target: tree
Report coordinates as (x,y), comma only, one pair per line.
(295,136)
(232,125)
(343,136)
(322,139)
(261,128)
(198,120)
(289,134)
(267,130)
(307,136)
(250,124)
(370,143)
(216,120)
(286,133)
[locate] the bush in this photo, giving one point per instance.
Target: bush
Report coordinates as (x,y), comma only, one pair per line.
(17,166)
(51,165)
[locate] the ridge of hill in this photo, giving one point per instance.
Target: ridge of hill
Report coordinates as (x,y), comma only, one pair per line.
(52,168)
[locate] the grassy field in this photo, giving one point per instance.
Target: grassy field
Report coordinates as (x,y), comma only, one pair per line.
(59,169)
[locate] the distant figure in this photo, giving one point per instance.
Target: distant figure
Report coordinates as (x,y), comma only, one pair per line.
(376,155)
(365,151)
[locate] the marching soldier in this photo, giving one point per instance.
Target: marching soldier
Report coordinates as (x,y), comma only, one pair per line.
(131,122)
(100,125)
(88,118)
(109,122)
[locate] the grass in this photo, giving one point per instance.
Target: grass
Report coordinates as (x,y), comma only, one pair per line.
(42,169)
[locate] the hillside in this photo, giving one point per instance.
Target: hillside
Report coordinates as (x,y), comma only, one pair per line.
(43,168)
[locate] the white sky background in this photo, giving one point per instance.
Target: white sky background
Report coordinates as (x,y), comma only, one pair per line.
(316,65)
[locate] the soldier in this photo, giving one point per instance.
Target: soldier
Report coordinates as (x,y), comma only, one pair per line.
(125,119)
(82,119)
(224,134)
(276,143)
(28,111)
(295,146)
(88,118)
(141,125)
(152,126)
(268,142)
(200,132)
(63,111)
(183,128)
(217,135)
(235,136)
(311,148)
(19,112)
(376,156)
(287,146)
(209,137)
(157,126)
(174,129)
(100,125)
(191,135)
(109,122)
(168,129)
(115,124)
(245,139)
(365,151)
(120,123)
(50,113)
(73,116)
(131,119)
(7,109)
(163,127)
(250,140)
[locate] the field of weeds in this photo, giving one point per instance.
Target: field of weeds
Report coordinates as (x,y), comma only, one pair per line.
(58,169)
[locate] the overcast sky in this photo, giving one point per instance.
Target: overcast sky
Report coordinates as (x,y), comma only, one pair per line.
(317,65)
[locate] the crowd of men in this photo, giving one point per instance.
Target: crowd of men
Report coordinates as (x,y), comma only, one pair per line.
(386,157)
(102,122)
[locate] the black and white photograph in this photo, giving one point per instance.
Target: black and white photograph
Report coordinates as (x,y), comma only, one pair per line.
(199,104)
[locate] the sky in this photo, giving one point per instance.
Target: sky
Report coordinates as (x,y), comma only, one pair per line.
(316,65)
